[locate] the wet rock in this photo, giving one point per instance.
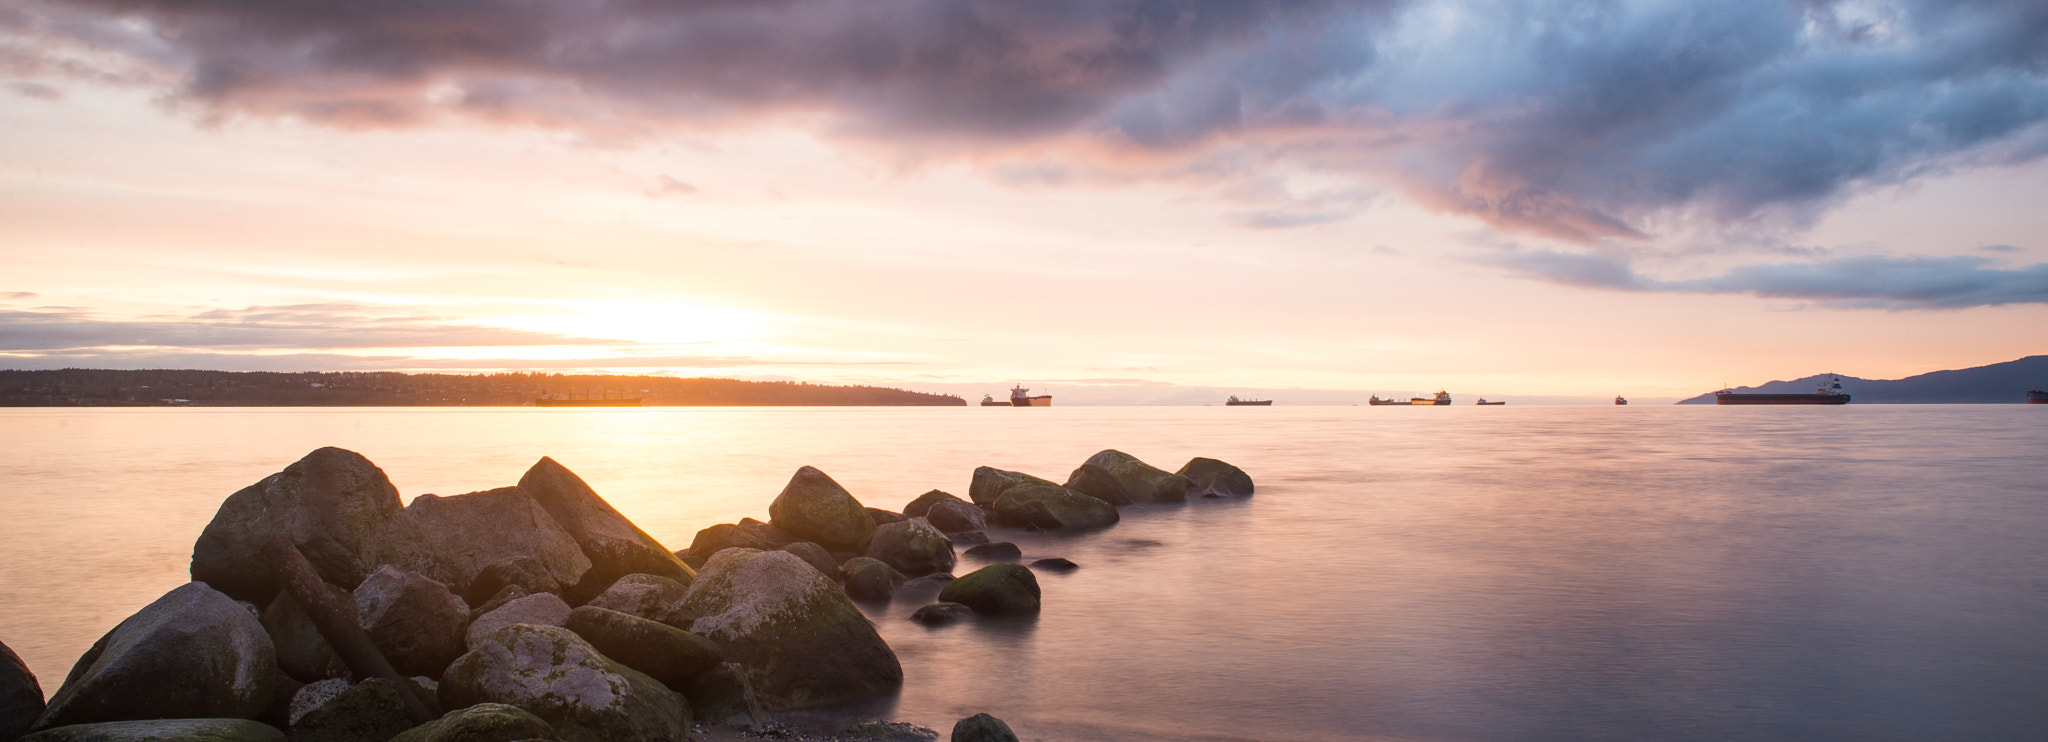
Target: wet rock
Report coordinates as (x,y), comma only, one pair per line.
(162,730)
(554,674)
(921,507)
(484,722)
(21,697)
(369,710)
(545,609)
(724,536)
(996,551)
(939,614)
(954,516)
(651,597)
(1052,507)
(415,621)
(302,652)
(1212,478)
(990,483)
(333,503)
(470,532)
(913,547)
(883,517)
(982,728)
(527,572)
(1095,481)
(870,579)
(922,588)
(1145,482)
(663,652)
(194,653)
(995,589)
(1055,564)
(614,546)
(815,508)
(801,640)
(816,556)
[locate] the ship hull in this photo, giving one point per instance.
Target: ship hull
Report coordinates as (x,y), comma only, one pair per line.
(1045,401)
(1243,403)
(1427,403)
(2037,397)
(586,403)
(1384,402)
(1489,404)
(1781,399)
(997,404)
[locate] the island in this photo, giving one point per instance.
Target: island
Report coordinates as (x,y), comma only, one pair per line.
(78,387)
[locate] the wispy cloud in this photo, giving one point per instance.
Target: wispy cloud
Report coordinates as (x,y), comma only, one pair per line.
(1851,282)
(299,326)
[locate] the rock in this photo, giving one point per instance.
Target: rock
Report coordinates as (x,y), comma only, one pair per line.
(651,597)
(333,503)
(801,640)
(996,551)
(1095,481)
(870,579)
(883,517)
(614,546)
(302,652)
(816,556)
(923,588)
(982,728)
(769,533)
(282,690)
(416,622)
(890,731)
(467,533)
(1052,506)
(369,710)
(527,572)
(545,609)
(724,536)
(162,730)
(721,696)
(193,654)
(913,547)
(954,516)
(484,722)
(314,695)
(969,538)
(989,484)
(1145,482)
(665,653)
(815,508)
(505,595)
(1055,564)
(21,697)
(1212,478)
(995,589)
(939,614)
(921,507)
(554,674)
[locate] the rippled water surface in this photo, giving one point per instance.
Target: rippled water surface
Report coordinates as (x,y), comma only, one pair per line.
(1463,573)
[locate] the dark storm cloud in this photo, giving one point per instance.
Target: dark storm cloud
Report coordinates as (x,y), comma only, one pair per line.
(1853,282)
(1585,121)
(327,326)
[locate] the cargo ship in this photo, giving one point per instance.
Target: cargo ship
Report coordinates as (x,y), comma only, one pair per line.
(1235,402)
(1441,398)
(1482,401)
(1618,400)
(2037,396)
(989,400)
(1021,397)
(1830,392)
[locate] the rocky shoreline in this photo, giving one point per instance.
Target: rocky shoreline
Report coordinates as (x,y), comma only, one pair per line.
(324,608)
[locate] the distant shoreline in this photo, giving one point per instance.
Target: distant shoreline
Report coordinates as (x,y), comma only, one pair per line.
(197,388)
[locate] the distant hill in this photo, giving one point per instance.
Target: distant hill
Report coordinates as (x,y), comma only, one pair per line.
(81,387)
(1998,383)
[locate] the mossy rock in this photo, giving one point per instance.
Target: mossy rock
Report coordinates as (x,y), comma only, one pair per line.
(801,640)
(990,483)
(1051,507)
(1144,482)
(814,508)
(1000,589)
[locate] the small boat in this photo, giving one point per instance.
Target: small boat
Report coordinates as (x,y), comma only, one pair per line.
(1828,393)
(1235,402)
(1021,397)
(2037,396)
(989,400)
(1619,400)
(1482,401)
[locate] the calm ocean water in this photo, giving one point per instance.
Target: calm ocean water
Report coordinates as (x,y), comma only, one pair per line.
(1463,573)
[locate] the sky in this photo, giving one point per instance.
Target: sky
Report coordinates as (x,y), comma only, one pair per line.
(1130,200)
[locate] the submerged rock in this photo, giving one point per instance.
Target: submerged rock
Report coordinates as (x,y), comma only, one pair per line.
(1095,481)
(913,547)
(1055,564)
(995,589)
(1145,482)
(415,621)
(651,597)
(194,653)
(554,674)
(870,579)
(1051,507)
(921,507)
(469,532)
(937,614)
(802,641)
(21,697)
(982,728)
(544,609)
(333,503)
(614,546)
(996,551)
(815,508)
(484,722)
(954,516)
(990,483)
(162,730)
(1212,478)
(665,653)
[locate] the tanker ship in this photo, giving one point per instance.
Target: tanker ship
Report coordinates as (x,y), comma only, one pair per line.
(1830,392)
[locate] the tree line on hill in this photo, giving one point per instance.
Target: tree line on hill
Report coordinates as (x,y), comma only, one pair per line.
(79,387)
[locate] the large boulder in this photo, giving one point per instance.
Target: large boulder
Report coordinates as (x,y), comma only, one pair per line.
(1095,481)
(724,536)
(332,503)
(369,710)
(666,653)
(195,653)
(884,517)
(527,572)
(996,589)
(816,509)
(814,554)
(469,532)
(651,597)
(990,483)
(1211,478)
(21,697)
(543,609)
(415,621)
(162,730)
(921,507)
(302,652)
(913,547)
(614,545)
(554,674)
(1052,506)
(484,722)
(956,516)
(870,579)
(1144,482)
(801,640)
(982,728)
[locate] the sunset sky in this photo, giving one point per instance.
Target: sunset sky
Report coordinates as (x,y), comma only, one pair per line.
(1514,198)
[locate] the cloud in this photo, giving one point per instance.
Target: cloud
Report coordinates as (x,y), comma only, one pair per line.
(1284,219)
(1875,282)
(300,326)
(668,186)
(2001,248)
(18,294)
(227,361)
(1580,121)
